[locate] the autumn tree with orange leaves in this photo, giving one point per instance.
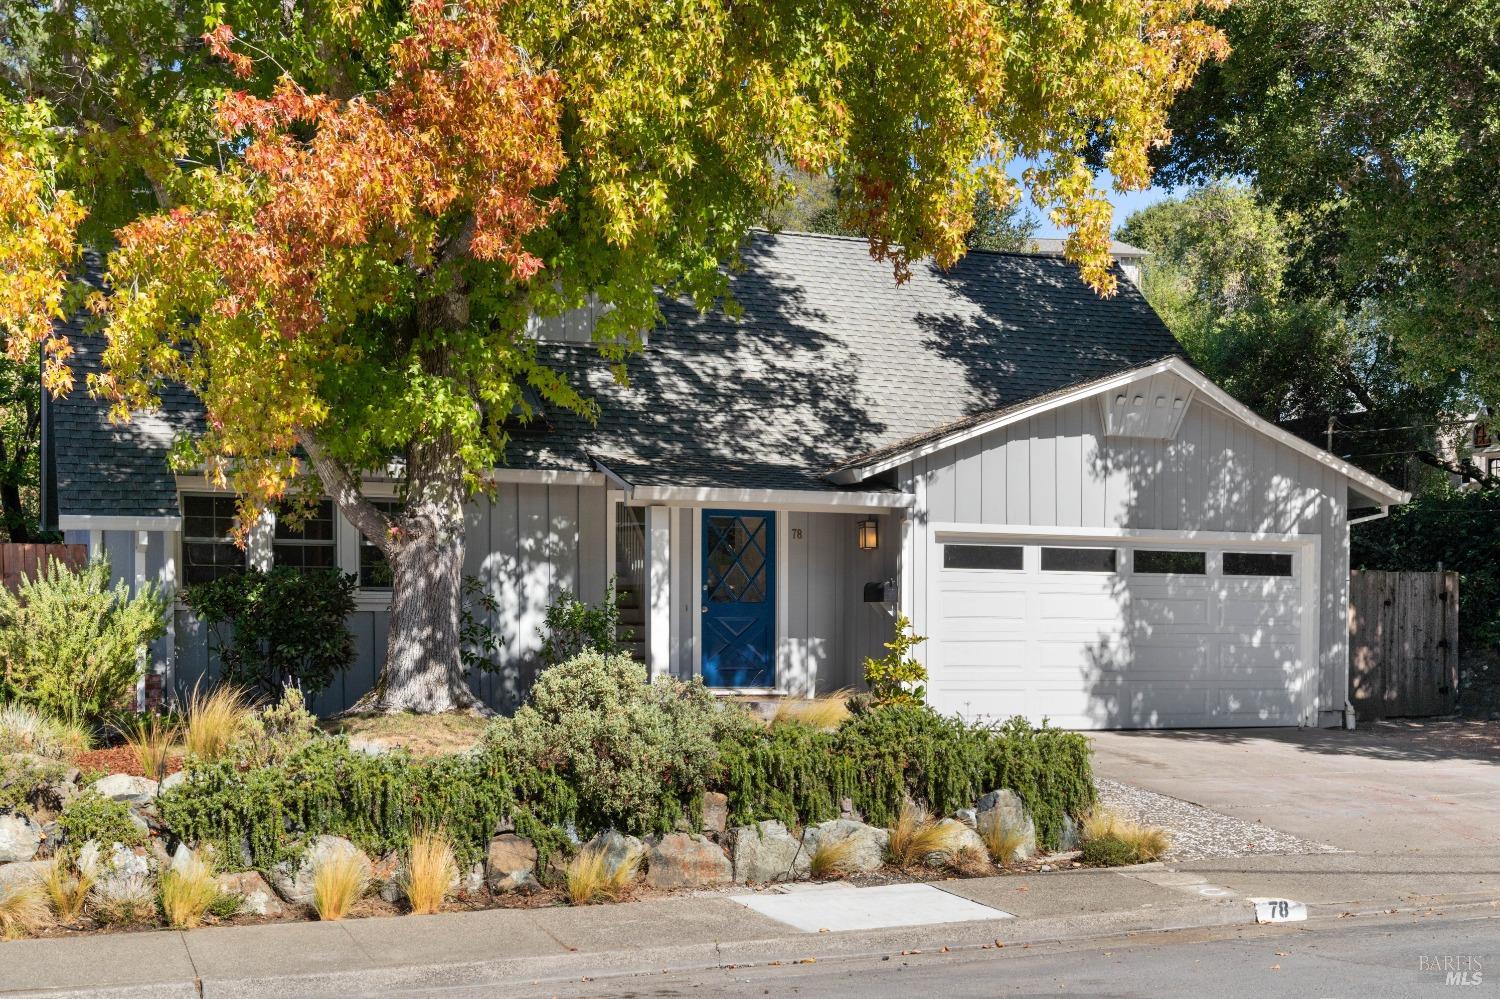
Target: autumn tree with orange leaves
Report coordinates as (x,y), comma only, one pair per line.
(347,282)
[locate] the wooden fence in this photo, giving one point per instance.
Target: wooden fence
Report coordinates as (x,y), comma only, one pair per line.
(25,561)
(1403,643)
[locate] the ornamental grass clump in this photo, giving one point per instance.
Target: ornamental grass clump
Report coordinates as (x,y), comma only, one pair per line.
(150,739)
(215,719)
(588,877)
(832,858)
(23,909)
(67,886)
(339,880)
(918,840)
(1110,840)
(826,711)
(24,729)
(1001,838)
(429,872)
(188,892)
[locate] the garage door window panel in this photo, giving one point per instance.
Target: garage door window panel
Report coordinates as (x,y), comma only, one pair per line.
(1257,564)
(1079,559)
(1008,558)
(1157,562)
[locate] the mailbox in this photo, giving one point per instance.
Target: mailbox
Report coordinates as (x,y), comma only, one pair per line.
(881,592)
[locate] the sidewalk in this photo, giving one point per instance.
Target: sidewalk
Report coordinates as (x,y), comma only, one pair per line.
(391,955)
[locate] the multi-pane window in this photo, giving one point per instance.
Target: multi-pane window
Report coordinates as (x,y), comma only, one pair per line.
(374,570)
(1494,469)
(306,542)
(208,549)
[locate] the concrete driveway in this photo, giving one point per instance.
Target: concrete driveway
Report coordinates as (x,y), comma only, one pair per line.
(1394,787)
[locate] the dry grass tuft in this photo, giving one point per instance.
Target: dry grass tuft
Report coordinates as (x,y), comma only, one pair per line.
(67,887)
(23,909)
(339,881)
(917,839)
(188,891)
(826,711)
(420,735)
(971,862)
(214,719)
(832,858)
(26,730)
(1002,839)
(429,873)
(589,879)
(151,739)
(1111,840)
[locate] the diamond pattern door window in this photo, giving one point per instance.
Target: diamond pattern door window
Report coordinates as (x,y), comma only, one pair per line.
(736,562)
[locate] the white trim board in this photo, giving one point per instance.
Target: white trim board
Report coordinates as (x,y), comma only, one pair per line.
(801,500)
(98,522)
(1177,366)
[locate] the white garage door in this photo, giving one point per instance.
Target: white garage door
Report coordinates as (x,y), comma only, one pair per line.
(1101,635)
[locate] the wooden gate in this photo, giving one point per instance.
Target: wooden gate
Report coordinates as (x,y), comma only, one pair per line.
(1403,643)
(18,561)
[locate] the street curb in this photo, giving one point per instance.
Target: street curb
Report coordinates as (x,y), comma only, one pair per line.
(789,949)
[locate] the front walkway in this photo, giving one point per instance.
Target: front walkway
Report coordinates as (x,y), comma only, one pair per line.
(1391,788)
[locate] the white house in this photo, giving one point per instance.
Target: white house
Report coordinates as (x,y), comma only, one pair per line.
(1084,526)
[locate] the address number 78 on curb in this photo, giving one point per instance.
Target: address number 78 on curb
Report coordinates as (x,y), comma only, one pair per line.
(1279,910)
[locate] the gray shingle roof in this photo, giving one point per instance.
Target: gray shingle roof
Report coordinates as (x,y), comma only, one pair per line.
(831,360)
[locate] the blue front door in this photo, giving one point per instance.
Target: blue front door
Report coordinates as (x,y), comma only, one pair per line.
(739,598)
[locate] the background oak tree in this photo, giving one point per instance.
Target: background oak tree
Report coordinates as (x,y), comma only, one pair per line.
(341,256)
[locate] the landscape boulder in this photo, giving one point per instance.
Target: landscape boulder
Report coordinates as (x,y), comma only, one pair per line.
(23,872)
(293,880)
(172,780)
(120,873)
(1006,808)
(959,838)
(19,838)
(618,850)
(256,897)
(715,812)
(867,852)
(768,852)
(127,788)
(510,864)
(686,860)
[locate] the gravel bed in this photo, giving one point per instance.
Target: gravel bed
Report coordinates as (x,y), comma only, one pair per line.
(1199,833)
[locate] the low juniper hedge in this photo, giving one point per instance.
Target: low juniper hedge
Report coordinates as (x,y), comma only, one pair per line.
(644,776)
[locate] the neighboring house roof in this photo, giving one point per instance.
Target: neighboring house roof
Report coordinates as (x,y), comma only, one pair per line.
(1120,251)
(831,361)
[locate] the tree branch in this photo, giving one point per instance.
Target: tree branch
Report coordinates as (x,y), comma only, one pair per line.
(1465,469)
(344,490)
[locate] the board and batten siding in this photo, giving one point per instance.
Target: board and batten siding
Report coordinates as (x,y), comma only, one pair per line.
(525,545)
(1219,474)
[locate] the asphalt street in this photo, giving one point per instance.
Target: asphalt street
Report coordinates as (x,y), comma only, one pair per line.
(1358,957)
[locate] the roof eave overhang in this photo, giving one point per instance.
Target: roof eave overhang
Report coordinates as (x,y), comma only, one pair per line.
(1368,484)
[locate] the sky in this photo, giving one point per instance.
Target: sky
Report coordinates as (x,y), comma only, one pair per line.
(1125,204)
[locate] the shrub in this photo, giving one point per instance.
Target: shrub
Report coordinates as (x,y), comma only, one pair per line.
(429,872)
(214,721)
(884,756)
(271,629)
(339,880)
(70,643)
(897,677)
(91,816)
(267,737)
(24,729)
(572,627)
(636,754)
(188,891)
(24,780)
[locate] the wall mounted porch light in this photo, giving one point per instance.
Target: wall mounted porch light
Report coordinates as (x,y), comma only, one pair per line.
(869,535)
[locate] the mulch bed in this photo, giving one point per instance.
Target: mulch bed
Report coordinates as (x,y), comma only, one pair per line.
(119,760)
